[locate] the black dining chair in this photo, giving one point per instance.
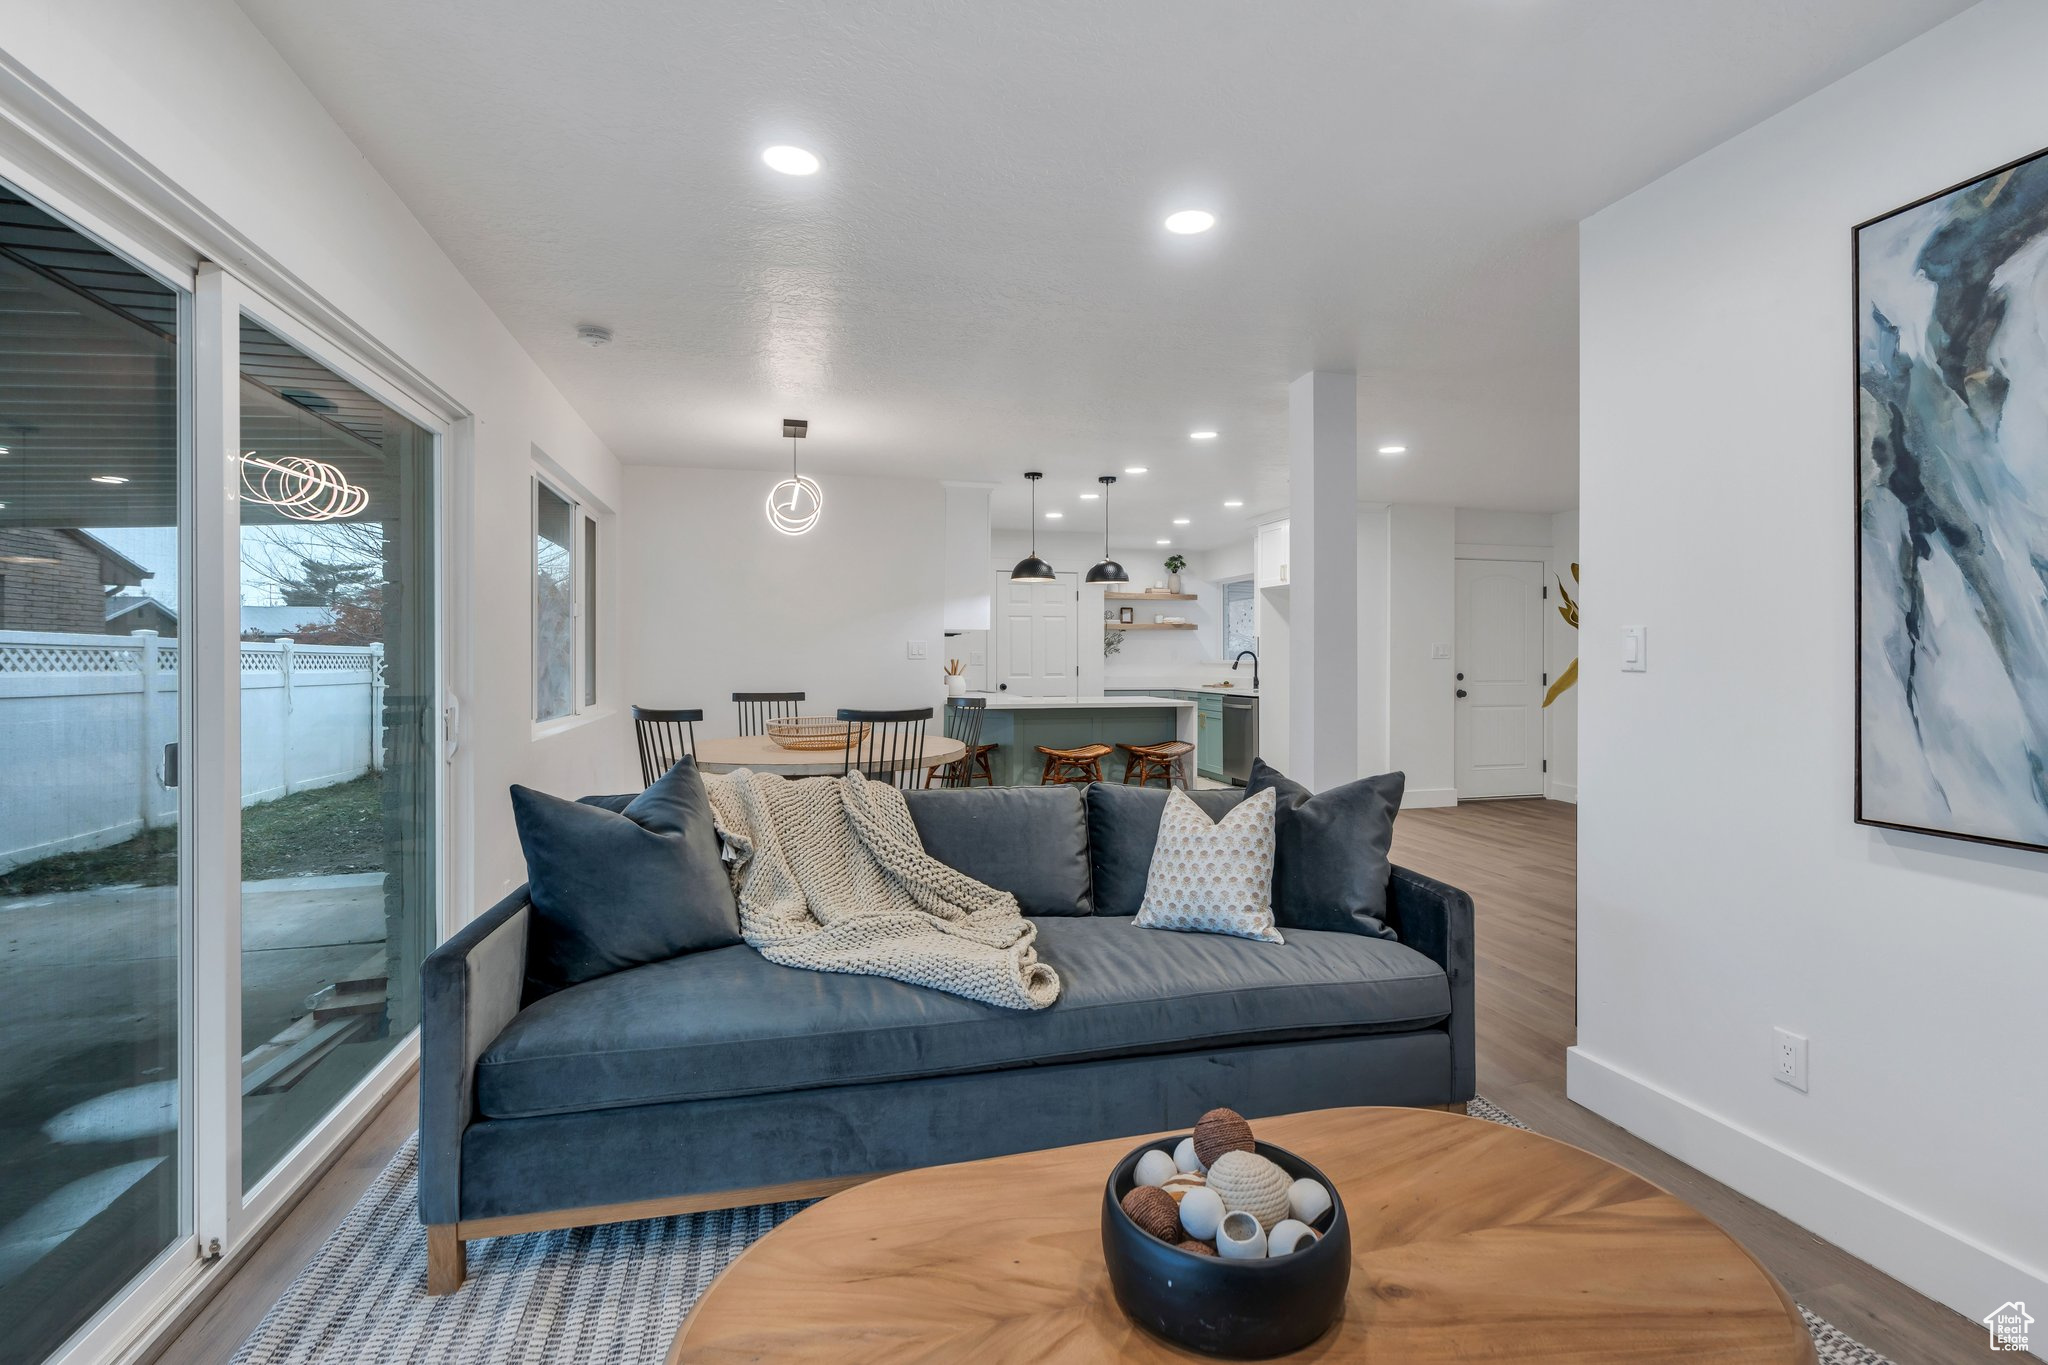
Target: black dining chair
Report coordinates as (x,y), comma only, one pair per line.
(758,708)
(665,738)
(963,722)
(891,748)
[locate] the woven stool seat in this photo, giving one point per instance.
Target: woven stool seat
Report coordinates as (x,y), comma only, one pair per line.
(1082,764)
(1162,760)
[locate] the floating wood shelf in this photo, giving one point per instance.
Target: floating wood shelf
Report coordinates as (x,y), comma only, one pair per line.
(1149,597)
(1149,625)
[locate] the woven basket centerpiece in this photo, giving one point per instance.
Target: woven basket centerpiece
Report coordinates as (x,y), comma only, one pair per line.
(816,732)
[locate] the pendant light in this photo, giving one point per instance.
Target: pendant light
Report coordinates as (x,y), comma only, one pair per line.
(1032,569)
(1108,571)
(795,504)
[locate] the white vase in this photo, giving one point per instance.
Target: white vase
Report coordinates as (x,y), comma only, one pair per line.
(1173,582)
(956,685)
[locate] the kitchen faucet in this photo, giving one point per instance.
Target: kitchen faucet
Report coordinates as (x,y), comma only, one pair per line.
(1255,665)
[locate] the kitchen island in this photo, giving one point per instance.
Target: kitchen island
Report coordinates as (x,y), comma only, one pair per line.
(1020,724)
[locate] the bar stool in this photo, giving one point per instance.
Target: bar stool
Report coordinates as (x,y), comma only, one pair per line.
(1147,761)
(1064,766)
(981,769)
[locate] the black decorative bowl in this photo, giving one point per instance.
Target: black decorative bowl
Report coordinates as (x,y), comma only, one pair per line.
(1243,1310)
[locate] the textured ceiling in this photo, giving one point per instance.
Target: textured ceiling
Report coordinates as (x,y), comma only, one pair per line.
(977,283)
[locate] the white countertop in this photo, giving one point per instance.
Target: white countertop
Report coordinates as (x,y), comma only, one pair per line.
(1003,701)
(1188,682)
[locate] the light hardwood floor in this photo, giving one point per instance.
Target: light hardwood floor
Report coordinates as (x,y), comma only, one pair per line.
(1517,859)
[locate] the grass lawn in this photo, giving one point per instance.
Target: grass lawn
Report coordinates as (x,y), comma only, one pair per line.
(317,833)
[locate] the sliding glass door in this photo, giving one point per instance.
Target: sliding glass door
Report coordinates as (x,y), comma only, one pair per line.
(220,794)
(339,808)
(93,1186)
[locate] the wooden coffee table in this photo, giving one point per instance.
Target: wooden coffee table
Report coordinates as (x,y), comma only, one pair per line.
(1471,1241)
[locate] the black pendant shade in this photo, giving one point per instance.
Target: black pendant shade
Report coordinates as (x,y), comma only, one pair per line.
(1032,569)
(1108,571)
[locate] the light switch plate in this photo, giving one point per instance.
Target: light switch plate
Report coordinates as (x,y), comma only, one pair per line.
(1439,651)
(914,649)
(1635,649)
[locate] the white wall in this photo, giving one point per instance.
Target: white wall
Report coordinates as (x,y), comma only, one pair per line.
(1375,594)
(719,602)
(194,90)
(1422,614)
(1723,888)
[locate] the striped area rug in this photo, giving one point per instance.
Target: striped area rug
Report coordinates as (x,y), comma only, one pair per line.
(612,1294)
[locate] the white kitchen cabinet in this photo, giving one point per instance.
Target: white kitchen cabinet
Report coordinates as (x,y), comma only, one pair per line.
(1269,559)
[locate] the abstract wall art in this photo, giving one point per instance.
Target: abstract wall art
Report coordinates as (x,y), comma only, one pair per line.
(1952,511)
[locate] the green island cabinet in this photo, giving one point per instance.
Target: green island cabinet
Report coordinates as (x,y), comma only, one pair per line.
(1208,722)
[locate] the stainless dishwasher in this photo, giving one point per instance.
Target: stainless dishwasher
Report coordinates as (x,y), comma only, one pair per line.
(1240,738)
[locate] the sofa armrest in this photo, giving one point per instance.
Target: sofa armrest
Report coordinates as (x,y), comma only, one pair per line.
(1435,920)
(470,987)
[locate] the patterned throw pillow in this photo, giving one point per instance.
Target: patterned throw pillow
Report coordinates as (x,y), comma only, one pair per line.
(1213,878)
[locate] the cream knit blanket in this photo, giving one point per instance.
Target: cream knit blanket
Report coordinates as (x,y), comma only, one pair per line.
(832,877)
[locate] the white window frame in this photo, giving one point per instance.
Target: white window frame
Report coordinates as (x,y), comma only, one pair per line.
(66,165)
(584,511)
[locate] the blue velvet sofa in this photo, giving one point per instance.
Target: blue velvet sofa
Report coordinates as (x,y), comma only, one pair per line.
(719,1079)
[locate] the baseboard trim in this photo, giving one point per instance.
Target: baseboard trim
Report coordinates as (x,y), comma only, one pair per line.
(1940,1262)
(1565,791)
(1416,797)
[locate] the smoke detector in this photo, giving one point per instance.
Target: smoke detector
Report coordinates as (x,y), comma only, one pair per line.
(594,336)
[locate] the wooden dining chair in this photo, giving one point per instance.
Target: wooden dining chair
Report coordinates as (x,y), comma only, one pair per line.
(963,722)
(891,748)
(758,708)
(665,738)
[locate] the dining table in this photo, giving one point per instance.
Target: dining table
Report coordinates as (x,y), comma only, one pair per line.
(763,755)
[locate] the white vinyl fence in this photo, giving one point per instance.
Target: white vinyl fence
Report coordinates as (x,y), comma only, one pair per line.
(84,721)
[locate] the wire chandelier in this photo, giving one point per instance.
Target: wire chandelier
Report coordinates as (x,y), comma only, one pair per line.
(301,488)
(795,504)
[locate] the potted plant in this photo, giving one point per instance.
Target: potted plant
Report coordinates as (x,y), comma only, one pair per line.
(1174,564)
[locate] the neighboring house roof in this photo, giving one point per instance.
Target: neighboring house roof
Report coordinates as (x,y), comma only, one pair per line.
(116,569)
(117,607)
(284,620)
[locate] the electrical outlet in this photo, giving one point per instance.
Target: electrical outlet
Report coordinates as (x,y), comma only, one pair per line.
(913,649)
(1788,1057)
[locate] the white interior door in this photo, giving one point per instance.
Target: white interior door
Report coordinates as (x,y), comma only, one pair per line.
(1036,637)
(1500,678)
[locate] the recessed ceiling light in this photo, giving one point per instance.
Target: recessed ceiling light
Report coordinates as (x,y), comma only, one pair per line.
(108,478)
(1136,469)
(3,450)
(1190,220)
(1393,450)
(792,160)
(1201,436)
(1090,497)
(1180,521)
(1054,516)
(1234,502)
(1162,542)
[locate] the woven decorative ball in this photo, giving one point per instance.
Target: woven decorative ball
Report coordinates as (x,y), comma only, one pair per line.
(1248,1183)
(1220,1131)
(1179,1185)
(1153,1209)
(1193,1247)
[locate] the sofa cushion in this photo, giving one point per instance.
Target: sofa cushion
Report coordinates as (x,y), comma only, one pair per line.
(1029,841)
(612,890)
(1331,863)
(729,1022)
(1123,825)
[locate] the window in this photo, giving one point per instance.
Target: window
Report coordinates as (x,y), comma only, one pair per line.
(1239,618)
(565,607)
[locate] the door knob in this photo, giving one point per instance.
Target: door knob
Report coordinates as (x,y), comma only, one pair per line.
(1461,677)
(1461,691)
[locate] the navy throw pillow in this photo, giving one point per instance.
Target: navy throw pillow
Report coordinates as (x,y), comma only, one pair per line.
(616,890)
(1331,861)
